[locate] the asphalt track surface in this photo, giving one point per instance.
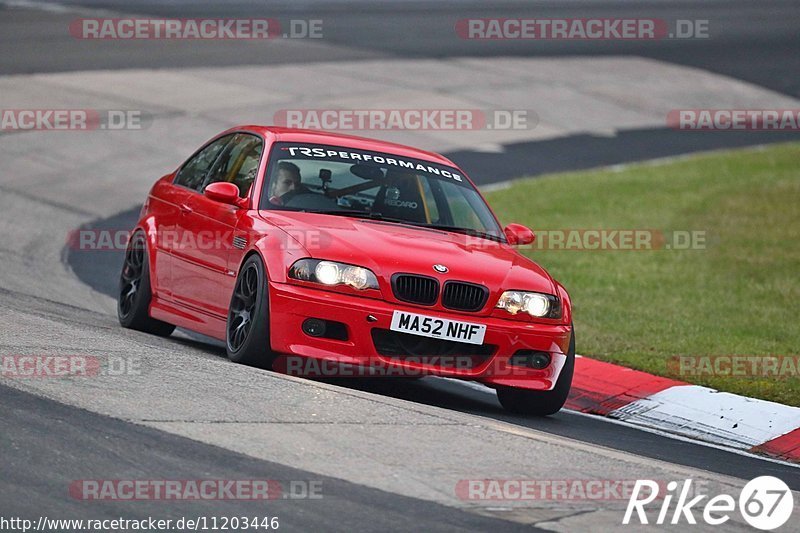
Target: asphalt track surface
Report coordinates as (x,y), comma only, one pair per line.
(752,41)
(52,443)
(38,428)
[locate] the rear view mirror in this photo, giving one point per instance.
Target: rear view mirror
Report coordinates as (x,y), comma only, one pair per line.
(367,172)
(517,234)
(224,192)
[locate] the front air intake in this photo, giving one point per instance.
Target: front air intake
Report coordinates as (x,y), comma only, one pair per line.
(463,296)
(411,288)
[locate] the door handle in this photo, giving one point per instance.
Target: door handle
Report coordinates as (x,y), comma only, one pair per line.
(186,209)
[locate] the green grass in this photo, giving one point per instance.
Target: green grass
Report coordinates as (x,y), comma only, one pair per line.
(740,295)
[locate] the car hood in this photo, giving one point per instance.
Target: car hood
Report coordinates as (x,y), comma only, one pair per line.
(387,248)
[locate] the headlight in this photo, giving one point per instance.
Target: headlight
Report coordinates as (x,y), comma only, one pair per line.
(534,303)
(331,273)
(327,273)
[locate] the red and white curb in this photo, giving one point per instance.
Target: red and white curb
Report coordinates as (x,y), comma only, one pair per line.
(678,408)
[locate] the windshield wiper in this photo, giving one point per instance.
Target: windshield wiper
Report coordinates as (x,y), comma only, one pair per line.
(350,213)
(441,227)
(364,214)
(455,229)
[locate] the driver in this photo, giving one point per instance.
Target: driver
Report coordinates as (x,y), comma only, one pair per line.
(288,181)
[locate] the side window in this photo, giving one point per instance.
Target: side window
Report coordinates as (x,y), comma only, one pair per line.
(194,171)
(238,163)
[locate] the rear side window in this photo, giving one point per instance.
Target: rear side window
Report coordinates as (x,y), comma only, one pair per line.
(194,172)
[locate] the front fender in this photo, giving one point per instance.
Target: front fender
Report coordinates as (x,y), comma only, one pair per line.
(566,303)
(147,225)
(278,250)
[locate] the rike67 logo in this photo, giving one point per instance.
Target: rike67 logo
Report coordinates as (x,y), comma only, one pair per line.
(765,503)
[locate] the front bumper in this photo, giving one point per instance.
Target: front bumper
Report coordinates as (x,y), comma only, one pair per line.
(291,305)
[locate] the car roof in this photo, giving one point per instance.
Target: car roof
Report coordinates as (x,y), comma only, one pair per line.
(281,134)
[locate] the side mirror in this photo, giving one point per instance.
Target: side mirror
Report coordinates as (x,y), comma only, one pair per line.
(517,234)
(222,191)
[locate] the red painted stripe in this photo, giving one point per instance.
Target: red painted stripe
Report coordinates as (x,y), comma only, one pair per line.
(785,447)
(600,388)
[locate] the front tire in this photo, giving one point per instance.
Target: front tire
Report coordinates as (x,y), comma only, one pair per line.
(541,403)
(247,327)
(134,296)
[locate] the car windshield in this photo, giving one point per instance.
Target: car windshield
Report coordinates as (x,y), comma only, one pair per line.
(349,182)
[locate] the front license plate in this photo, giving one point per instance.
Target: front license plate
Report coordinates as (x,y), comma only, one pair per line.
(438,328)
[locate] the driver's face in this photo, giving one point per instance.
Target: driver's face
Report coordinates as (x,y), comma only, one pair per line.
(286,182)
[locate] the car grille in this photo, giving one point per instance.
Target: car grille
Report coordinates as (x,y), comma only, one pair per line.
(415,289)
(464,296)
(435,352)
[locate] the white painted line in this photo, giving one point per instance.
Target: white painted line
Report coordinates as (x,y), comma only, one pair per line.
(647,429)
(55,7)
(681,438)
(710,415)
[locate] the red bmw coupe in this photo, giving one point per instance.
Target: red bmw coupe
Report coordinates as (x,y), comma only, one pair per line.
(313,252)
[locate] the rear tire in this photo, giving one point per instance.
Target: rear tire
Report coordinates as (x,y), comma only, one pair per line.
(134,296)
(247,327)
(541,403)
